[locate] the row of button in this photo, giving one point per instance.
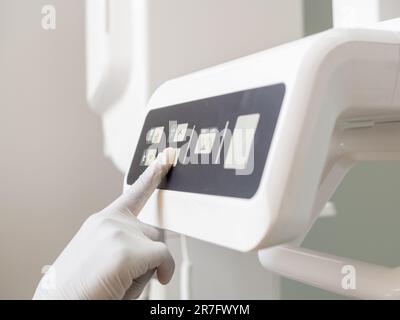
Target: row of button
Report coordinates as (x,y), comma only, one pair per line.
(154,135)
(149,155)
(204,143)
(238,151)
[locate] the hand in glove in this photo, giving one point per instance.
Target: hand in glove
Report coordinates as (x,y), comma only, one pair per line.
(113,255)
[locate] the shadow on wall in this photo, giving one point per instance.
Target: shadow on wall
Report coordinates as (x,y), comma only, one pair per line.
(53,172)
(317,16)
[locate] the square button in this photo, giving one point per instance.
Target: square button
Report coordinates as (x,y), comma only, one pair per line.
(242,141)
(157,134)
(148,157)
(149,135)
(180,133)
(172,131)
(205,141)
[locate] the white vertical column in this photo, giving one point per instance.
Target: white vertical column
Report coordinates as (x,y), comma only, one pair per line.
(355,13)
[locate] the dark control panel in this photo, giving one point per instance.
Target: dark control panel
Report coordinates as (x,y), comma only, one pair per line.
(222,142)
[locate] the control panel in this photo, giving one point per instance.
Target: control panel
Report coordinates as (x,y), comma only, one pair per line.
(221,142)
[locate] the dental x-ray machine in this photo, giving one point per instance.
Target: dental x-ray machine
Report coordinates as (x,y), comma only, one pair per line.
(263,142)
(306,112)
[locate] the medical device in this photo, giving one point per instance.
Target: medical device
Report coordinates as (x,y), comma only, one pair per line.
(263,142)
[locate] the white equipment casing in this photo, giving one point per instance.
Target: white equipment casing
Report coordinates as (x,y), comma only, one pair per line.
(335,80)
(341,106)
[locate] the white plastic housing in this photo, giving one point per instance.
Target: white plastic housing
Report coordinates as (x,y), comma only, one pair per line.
(334,81)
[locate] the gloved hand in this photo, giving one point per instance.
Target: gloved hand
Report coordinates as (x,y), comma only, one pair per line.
(113,255)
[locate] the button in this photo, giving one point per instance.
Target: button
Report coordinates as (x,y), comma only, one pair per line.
(148,157)
(180,133)
(149,135)
(157,134)
(205,141)
(241,142)
(172,131)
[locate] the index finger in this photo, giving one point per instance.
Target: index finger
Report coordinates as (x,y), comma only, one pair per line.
(135,197)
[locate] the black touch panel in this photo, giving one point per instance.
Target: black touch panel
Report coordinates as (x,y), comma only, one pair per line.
(210,115)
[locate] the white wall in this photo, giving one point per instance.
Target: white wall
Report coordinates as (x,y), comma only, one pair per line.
(52,170)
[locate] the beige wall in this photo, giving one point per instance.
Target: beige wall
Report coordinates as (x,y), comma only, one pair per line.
(52,170)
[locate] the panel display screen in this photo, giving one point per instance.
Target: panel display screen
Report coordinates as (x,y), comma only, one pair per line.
(222,142)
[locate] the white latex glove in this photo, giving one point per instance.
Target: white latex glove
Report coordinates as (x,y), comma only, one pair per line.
(113,255)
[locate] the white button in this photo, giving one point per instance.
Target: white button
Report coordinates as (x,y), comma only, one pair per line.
(149,135)
(205,141)
(148,157)
(172,131)
(157,134)
(180,133)
(241,142)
